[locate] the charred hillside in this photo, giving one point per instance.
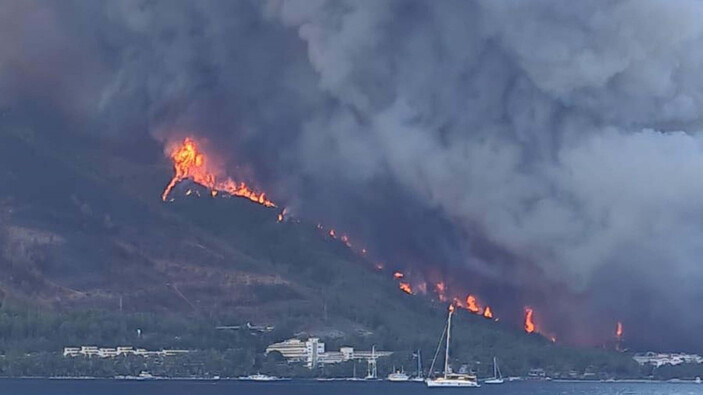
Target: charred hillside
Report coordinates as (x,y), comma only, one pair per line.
(83,228)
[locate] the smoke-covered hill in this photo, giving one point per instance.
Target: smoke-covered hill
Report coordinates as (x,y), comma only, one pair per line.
(83,228)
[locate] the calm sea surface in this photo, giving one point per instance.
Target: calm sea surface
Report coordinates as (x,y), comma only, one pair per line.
(181,387)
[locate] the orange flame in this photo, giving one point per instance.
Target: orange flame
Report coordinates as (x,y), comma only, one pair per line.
(451,308)
(472,305)
(487,312)
(440,289)
(282,215)
(529,324)
(618,330)
(190,163)
(398,275)
(405,287)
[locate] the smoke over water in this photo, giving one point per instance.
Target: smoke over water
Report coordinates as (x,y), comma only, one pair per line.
(547,152)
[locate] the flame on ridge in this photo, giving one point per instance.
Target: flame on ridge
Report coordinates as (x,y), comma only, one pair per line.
(487,312)
(618,330)
(189,162)
(529,324)
(472,304)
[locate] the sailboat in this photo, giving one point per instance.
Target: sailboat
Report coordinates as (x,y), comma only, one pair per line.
(418,376)
(497,376)
(450,379)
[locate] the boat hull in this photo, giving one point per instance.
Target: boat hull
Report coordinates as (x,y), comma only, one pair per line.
(451,383)
(494,381)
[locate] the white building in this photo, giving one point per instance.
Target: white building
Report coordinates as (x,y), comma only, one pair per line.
(314,348)
(107,352)
(125,350)
(71,351)
(294,350)
(90,351)
(659,359)
(312,352)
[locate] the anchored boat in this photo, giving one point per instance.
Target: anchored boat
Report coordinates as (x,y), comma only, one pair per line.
(450,379)
(497,376)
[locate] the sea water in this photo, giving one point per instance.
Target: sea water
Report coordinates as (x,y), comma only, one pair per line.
(305,387)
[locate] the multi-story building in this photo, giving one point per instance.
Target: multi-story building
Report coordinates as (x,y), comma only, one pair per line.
(293,350)
(312,352)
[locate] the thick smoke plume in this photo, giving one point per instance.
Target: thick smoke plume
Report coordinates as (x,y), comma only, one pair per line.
(531,144)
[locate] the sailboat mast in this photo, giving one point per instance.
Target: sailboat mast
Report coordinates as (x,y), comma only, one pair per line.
(419,363)
(449,335)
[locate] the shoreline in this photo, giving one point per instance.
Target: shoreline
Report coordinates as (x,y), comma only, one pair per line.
(333,380)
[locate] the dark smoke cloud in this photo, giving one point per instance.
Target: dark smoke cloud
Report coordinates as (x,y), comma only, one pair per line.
(536,145)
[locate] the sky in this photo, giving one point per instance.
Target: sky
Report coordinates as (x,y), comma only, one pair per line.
(534,147)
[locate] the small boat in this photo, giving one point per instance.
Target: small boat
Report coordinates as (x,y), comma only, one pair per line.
(497,376)
(260,377)
(397,376)
(450,379)
(144,375)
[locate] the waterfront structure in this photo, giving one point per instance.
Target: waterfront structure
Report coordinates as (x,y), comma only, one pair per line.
(312,352)
(659,359)
(106,352)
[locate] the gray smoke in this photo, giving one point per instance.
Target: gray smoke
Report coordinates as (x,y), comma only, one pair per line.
(515,141)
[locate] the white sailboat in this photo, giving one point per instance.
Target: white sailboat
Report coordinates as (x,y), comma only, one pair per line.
(450,379)
(418,376)
(497,376)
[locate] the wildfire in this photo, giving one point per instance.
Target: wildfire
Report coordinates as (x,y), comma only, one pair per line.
(282,215)
(440,289)
(451,308)
(487,312)
(398,275)
(191,163)
(472,305)
(405,287)
(618,330)
(529,324)
(332,234)
(345,240)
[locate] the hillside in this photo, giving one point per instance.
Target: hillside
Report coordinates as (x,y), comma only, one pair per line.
(82,228)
